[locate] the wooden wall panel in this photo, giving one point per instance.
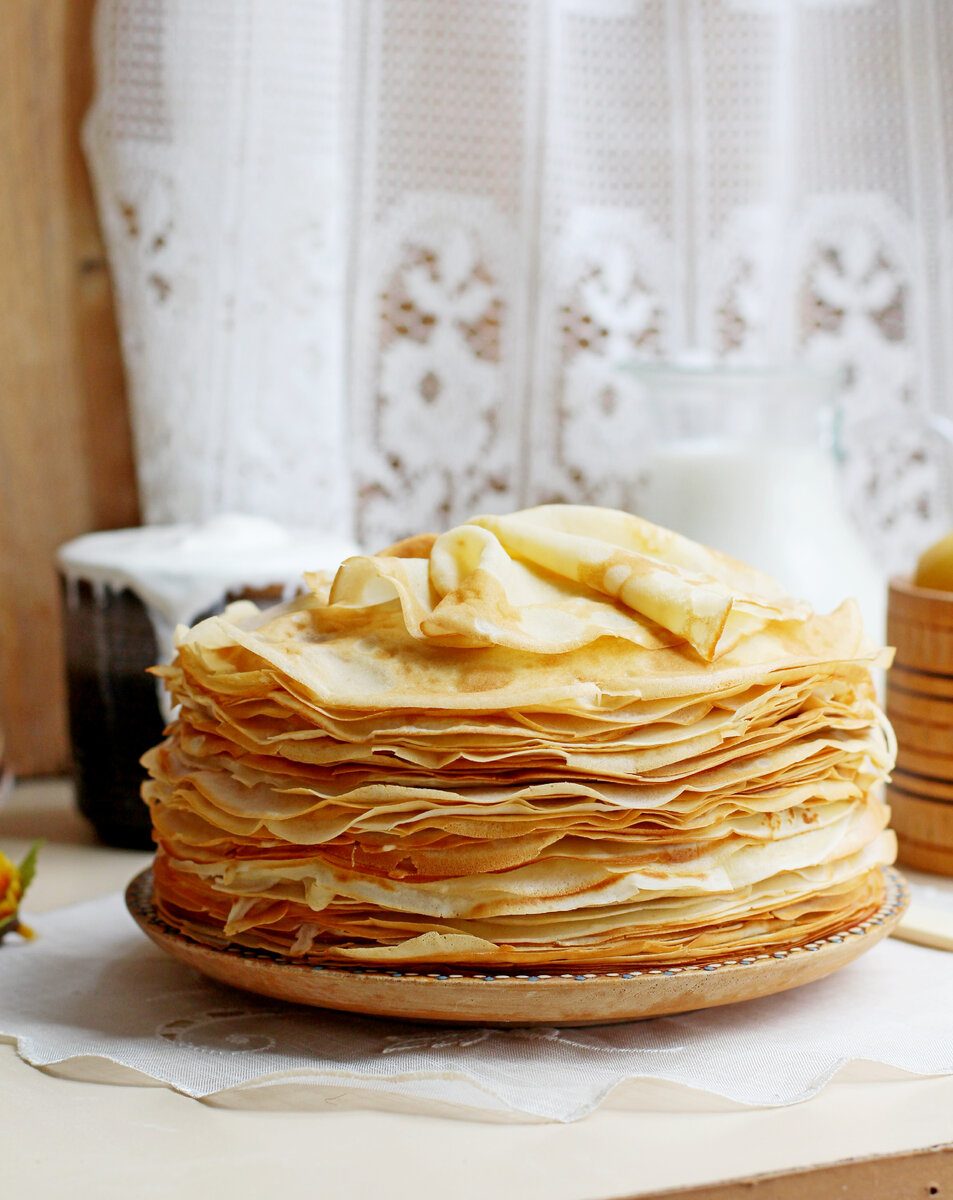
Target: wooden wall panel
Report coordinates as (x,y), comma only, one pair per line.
(65,456)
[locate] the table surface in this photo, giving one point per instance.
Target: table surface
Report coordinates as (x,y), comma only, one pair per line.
(110,1140)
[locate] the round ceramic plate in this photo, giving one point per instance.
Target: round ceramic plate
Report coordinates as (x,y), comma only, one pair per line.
(506,998)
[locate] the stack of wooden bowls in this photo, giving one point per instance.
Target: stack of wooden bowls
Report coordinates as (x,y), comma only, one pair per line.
(920,708)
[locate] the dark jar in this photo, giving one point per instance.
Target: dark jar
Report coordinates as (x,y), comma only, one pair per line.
(114,712)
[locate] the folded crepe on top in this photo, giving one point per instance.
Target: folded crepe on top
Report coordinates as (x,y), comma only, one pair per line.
(561,737)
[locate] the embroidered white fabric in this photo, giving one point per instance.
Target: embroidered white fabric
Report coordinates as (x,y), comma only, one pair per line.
(379,260)
(94,995)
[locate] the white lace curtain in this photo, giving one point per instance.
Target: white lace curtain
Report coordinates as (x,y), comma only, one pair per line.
(378,260)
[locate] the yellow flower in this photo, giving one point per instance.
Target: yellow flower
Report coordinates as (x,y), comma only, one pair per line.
(9,888)
(13,883)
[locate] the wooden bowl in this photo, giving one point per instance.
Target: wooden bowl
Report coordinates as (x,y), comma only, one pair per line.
(924,856)
(930,766)
(923,735)
(920,606)
(920,708)
(920,785)
(920,626)
(922,818)
(919,683)
(917,707)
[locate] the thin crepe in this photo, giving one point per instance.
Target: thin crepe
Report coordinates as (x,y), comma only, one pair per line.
(560,736)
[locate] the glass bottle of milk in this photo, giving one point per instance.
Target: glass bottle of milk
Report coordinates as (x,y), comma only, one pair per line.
(743,461)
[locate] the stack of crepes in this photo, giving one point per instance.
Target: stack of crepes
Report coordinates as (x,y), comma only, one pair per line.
(565,736)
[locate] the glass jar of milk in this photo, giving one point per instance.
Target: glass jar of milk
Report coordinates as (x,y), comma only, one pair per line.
(743,461)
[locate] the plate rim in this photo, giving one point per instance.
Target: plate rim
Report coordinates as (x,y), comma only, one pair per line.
(140,904)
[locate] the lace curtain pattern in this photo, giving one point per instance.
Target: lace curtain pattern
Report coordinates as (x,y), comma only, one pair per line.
(379,261)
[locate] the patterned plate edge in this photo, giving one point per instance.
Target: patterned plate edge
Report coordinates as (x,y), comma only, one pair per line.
(140,904)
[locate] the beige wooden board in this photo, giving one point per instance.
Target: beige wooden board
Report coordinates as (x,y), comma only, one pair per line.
(927,926)
(65,450)
(127,1137)
(560,997)
(897,1177)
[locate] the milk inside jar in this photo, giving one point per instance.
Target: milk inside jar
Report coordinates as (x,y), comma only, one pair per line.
(742,460)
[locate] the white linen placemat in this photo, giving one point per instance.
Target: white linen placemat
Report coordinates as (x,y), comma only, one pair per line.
(93,988)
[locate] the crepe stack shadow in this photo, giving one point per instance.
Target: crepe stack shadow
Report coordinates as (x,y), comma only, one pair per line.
(560,737)
(920,706)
